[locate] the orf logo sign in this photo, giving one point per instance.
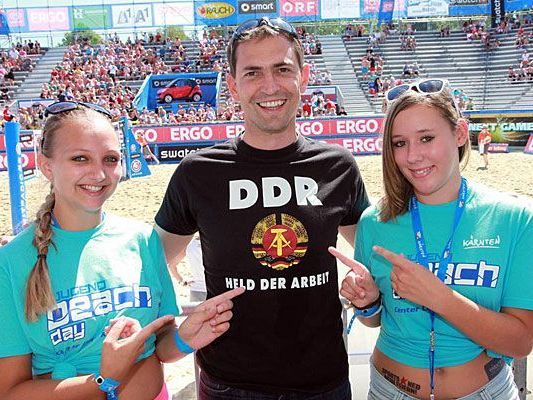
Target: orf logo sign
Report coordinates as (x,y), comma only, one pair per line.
(297,8)
(254,7)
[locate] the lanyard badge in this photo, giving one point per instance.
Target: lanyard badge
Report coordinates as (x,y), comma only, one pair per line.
(422,258)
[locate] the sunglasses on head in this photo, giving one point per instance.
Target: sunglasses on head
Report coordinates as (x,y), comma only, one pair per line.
(428,86)
(66,106)
(277,24)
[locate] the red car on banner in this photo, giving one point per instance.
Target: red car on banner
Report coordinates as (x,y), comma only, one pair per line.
(180,89)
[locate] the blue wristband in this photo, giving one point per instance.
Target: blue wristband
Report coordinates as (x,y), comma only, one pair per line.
(107,385)
(372,309)
(368,312)
(181,345)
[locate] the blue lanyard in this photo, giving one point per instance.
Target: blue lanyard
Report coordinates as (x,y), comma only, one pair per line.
(422,258)
(54,220)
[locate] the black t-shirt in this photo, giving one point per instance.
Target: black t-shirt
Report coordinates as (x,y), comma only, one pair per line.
(266,219)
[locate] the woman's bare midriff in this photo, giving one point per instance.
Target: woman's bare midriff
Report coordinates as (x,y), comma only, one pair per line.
(144,381)
(450,382)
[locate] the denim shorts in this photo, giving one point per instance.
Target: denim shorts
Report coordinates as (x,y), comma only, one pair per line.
(501,387)
(211,389)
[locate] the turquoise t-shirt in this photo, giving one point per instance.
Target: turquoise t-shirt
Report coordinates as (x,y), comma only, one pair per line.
(117,268)
(490,264)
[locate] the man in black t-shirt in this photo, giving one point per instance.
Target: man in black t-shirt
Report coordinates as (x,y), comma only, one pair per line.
(268,204)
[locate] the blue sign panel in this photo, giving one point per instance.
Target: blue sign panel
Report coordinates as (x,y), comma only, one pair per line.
(469,7)
(169,89)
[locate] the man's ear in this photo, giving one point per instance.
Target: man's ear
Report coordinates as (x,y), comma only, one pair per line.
(232,86)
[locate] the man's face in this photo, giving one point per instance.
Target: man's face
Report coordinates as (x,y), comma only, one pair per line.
(268,83)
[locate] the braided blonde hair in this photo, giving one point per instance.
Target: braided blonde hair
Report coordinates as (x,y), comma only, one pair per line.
(39,295)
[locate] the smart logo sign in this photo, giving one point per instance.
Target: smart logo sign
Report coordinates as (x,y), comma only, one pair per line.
(257,7)
(298,8)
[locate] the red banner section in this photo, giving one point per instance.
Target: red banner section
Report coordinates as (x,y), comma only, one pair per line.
(529,146)
(171,143)
(26,141)
(298,8)
(26,147)
(28,160)
(360,145)
(313,128)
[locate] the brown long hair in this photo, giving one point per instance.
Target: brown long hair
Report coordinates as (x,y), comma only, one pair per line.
(39,295)
(398,190)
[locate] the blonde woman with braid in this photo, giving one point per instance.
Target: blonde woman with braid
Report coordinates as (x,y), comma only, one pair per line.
(76,271)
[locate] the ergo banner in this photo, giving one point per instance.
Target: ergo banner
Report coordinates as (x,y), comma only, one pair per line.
(361,135)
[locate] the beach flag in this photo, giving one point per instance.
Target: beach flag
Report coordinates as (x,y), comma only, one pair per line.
(386,9)
(136,165)
(4,24)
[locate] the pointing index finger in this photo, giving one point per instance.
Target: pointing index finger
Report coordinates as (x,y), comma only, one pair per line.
(154,326)
(356,266)
(392,257)
(230,294)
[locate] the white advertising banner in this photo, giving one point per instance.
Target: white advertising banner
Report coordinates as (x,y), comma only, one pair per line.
(173,14)
(427,8)
(336,9)
(132,15)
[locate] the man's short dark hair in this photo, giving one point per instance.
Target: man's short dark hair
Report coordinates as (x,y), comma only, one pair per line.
(262,31)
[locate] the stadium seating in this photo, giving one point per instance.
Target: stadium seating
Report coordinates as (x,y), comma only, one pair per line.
(480,74)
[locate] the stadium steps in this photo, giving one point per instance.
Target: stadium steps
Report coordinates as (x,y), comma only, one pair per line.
(338,63)
(40,74)
(480,74)
(20,78)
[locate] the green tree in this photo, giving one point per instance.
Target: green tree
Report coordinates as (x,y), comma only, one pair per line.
(91,36)
(175,32)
